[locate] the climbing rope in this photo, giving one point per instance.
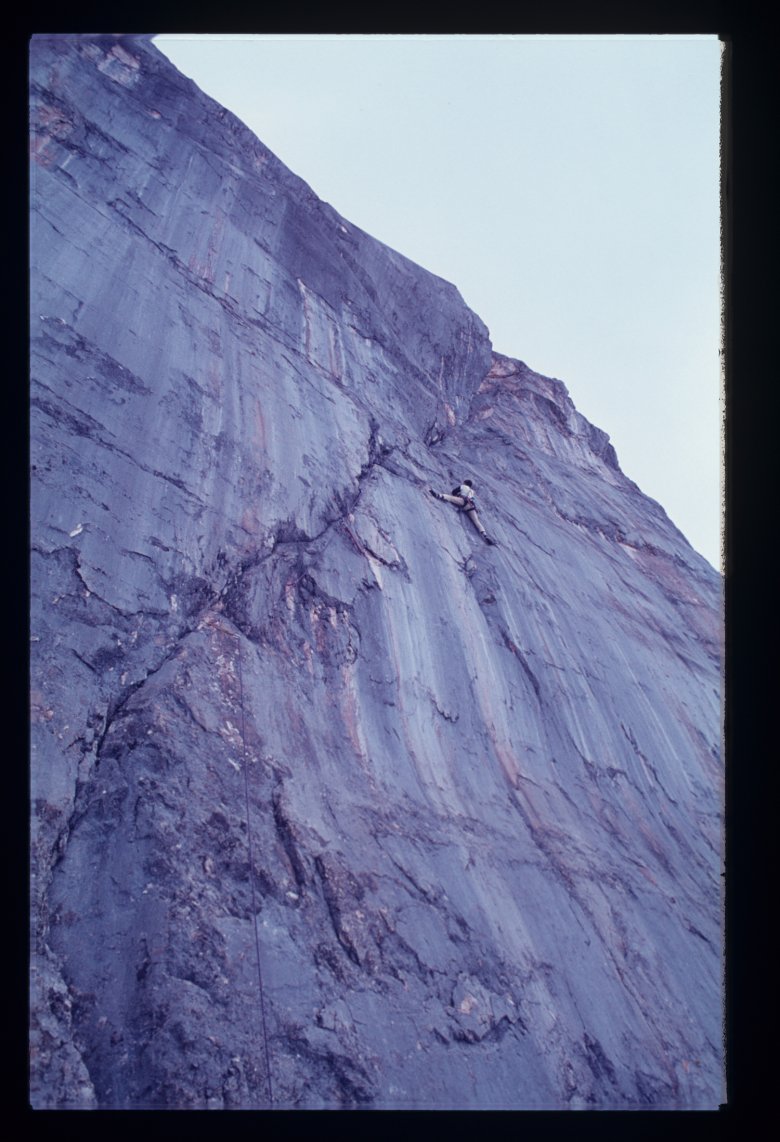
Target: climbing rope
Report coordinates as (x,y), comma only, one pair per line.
(252,880)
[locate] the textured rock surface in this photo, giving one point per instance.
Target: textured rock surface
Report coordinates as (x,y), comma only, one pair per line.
(333,805)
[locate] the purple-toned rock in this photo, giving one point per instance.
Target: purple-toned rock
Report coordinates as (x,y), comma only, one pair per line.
(333,804)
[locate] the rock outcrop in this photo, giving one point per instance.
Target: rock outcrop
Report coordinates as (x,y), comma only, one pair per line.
(334,805)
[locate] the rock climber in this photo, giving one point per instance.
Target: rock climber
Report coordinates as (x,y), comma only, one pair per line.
(463,496)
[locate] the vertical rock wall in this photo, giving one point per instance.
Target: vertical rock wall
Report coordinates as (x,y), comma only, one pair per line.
(334,805)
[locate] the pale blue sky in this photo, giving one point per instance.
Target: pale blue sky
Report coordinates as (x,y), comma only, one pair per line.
(568,186)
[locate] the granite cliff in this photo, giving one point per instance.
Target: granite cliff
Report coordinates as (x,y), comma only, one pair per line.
(333,805)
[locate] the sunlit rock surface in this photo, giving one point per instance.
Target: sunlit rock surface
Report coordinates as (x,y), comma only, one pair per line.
(333,804)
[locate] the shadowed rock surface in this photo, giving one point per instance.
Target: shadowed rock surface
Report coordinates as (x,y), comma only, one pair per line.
(334,805)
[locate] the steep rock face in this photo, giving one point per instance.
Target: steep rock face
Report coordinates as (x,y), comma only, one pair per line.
(333,805)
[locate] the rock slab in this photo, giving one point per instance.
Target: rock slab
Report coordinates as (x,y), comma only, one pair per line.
(335,806)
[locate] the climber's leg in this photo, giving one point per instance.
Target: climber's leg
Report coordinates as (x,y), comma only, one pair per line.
(472,514)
